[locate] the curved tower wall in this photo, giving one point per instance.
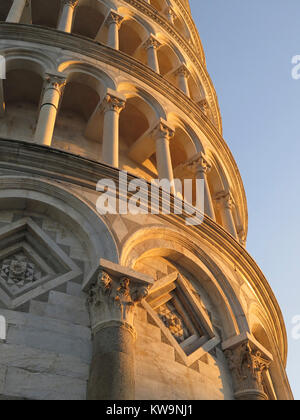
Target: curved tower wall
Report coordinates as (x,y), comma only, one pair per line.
(94,87)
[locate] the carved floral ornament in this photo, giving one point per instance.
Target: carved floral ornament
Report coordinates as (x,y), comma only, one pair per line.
(114,300)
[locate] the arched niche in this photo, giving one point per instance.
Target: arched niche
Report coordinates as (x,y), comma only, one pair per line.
(36,196)
(22,90)
(164,243)
(5,6)
(89,18)
(45,12)
(168,61)
(140,115)
(132,34)
(79,121)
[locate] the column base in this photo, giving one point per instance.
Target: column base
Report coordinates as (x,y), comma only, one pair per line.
(251,395)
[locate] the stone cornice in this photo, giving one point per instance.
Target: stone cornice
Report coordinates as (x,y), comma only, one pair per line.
(40,161)
(136,69)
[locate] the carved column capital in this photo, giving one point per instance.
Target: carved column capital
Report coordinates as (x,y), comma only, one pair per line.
(163,131)
(113,102)
(152,42)
(247,361)
(225,199)
(112,298)
(115,18)
(198,164)
(70,3)
(171,13)
(204,106)
(183,71)
(55,81)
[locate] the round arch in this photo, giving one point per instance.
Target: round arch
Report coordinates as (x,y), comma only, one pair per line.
(157,241)
(67,208)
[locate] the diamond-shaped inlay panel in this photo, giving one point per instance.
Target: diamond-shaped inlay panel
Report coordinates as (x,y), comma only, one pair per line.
(31,263)
(18,271)
(185,323)
(174,322)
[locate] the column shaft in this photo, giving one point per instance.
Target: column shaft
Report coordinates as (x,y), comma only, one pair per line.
(151,45)
(208,203)
(112,106)
(16,11)
(114,21)
(112,367)
(163,157)
(67,15)
(48,111)
(112,299)
(152,59)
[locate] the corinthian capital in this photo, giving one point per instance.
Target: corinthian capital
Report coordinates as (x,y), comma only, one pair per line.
(198,164)
(70,3)
(113,101)
(114,17)
(163,130)
(225,199)
(183,71)
(55,81)
(113,294)
(152,42)
(247,361)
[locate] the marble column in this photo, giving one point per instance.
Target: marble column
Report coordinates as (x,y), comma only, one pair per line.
(200,167)
(113,21)
(151,45)
(112,300)
(16,11)
(225,203)
(67,15)
(247,362)
(54,85)
(183,74)
(162,135)
(112,105)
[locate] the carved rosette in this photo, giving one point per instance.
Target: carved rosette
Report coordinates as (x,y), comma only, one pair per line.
(113,301)
(247,365)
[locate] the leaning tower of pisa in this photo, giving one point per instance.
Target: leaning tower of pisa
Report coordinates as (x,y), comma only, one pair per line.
(123,305)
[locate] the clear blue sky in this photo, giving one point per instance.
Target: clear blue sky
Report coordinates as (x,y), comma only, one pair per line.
(249,45)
